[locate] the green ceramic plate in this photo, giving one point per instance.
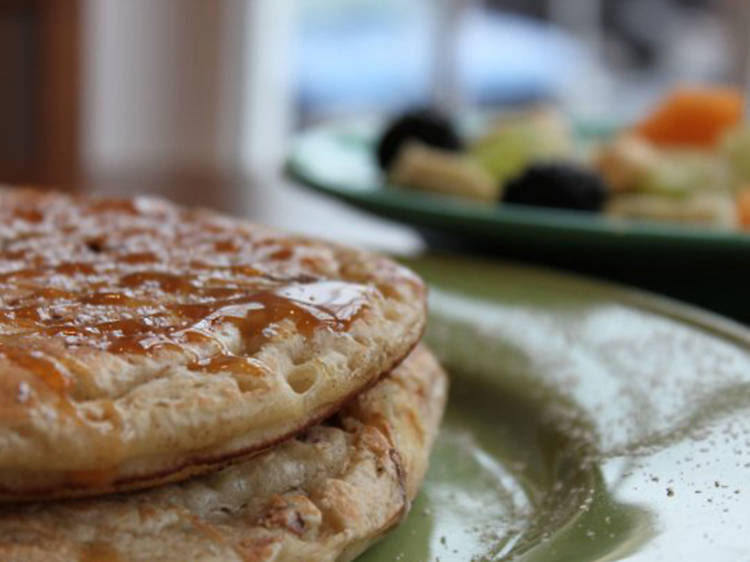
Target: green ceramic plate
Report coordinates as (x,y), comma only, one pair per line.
(586,422)
(338,160)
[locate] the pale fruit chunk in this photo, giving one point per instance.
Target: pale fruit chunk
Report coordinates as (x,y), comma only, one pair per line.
(430,169)
(632,164)
(708,209)
(626,162)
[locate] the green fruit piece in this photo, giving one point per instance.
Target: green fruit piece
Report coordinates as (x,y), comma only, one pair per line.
(517,141)
(679,173)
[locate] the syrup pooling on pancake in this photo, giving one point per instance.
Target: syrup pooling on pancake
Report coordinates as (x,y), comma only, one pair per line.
(142,277)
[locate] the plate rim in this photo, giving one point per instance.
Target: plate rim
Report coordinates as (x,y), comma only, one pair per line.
(642,299)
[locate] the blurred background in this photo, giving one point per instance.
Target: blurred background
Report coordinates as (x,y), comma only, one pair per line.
(198,100)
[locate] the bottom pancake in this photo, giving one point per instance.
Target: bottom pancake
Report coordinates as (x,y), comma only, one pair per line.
(324,495)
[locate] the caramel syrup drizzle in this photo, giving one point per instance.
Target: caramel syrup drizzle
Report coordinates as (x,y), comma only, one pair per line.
(135,278)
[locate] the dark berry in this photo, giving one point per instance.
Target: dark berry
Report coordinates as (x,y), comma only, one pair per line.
(558,185)
(424,125)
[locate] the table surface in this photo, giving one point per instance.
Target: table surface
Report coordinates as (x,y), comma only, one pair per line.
(267,198)
(281,204)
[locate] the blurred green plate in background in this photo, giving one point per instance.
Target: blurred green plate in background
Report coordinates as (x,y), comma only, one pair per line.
(701,265)
(338,160)
(585,422)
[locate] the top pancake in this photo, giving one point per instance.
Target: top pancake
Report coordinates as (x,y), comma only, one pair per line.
(141,342)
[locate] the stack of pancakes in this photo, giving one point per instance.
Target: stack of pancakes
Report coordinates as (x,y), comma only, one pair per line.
(179,385)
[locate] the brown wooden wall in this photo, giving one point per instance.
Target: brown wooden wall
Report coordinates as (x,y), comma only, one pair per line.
(40,92)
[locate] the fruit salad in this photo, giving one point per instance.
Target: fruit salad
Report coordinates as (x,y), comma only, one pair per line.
(687,161)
